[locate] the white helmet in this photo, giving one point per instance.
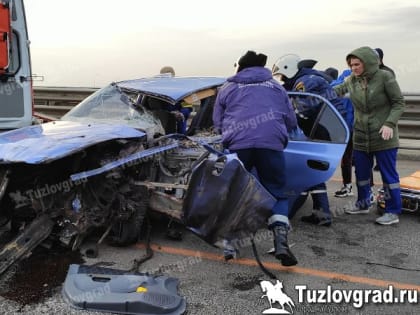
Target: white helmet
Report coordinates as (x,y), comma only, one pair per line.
(286,65)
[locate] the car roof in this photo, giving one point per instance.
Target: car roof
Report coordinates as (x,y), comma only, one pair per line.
(171,88)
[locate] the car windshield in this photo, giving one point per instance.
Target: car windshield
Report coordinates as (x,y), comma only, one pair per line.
(110,105)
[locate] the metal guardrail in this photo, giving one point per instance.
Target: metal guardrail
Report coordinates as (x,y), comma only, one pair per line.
(61,96)
(56,101)
(409,124)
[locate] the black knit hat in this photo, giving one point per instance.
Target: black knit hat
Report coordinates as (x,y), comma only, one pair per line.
(332,72)
(251,59)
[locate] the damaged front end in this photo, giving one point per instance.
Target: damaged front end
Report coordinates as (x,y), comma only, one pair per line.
(41,203)
(107,187)
(98,170)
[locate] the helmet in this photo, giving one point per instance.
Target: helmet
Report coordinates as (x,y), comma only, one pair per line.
(286,65)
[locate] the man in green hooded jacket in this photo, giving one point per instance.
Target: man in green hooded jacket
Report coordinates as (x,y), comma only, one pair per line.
(378,105)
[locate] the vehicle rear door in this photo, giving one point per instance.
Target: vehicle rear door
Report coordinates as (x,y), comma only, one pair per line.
(16,108)
(313,156)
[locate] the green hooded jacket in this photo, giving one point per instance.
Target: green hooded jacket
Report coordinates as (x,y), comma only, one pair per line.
(377,101)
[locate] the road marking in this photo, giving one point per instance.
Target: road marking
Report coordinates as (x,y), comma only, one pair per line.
(278,267)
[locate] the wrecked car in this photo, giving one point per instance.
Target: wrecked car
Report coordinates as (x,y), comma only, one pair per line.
(116,155)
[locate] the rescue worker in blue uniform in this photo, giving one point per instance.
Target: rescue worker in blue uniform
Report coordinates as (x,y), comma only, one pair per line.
(297,77)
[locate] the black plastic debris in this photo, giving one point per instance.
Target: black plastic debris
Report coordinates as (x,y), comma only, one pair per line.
(116,291)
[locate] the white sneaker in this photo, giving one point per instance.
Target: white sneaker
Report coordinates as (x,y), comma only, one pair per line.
(355,209)
(388,219)
(345,191)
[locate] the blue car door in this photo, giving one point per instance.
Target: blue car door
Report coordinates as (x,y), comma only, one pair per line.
(314,150)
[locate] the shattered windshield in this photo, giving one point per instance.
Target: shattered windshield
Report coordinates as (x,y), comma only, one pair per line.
(110,105)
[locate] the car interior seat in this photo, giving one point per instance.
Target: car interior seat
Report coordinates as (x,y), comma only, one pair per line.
(161,110)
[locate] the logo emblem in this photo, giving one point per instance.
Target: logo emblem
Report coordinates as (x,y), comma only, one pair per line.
(274,294)
(300,87)
(19,199)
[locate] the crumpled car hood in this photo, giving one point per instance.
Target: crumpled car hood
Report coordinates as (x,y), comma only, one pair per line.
(51,141)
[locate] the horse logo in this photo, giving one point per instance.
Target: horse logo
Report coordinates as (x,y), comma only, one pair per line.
(275,294)
(20,199)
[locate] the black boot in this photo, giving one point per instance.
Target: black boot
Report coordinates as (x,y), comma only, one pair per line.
(282,250)
(316,219)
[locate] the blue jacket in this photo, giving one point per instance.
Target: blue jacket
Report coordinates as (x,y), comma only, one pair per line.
(312,81)
(252,110)
(346,101)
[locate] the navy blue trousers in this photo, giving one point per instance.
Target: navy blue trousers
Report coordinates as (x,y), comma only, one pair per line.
(387,163)
(320,199)
(270,165)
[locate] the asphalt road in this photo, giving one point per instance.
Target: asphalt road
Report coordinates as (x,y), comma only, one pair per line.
(353,254)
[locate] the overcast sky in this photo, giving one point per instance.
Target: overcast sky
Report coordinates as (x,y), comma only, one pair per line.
(94,42)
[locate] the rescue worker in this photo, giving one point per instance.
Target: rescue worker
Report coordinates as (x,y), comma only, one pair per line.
(347,159)
(382,66)
(332,73)
(253,98)
(297,77)
(181,110)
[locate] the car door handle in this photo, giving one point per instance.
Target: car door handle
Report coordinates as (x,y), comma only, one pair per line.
(318,165)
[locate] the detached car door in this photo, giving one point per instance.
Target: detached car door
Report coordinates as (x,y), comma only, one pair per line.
(314,152)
